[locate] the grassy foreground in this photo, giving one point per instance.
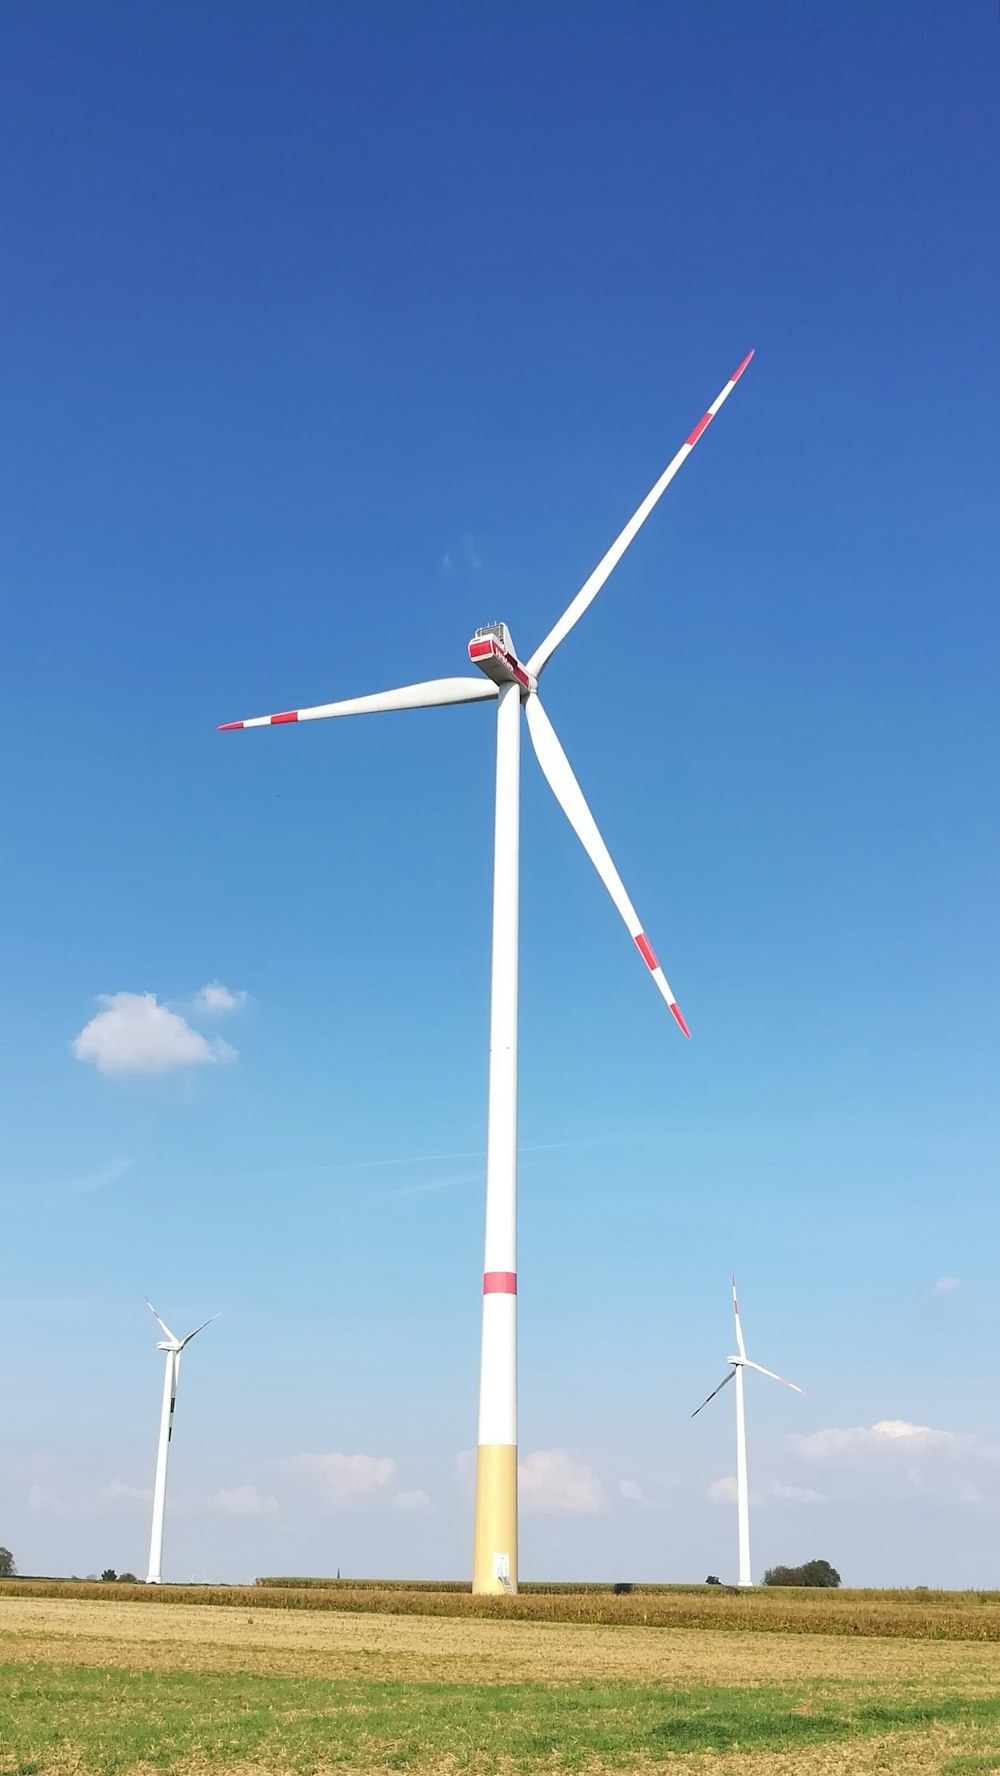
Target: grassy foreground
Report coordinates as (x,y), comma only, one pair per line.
(113,1720)
(99,1689)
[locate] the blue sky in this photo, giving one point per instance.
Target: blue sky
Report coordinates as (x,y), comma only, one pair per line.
(329,334)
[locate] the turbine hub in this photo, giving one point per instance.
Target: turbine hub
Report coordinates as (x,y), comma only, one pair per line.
(492,650)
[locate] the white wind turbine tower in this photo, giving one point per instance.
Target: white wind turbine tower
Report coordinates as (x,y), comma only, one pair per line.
(172,1368)
(737,1366)
(513,683)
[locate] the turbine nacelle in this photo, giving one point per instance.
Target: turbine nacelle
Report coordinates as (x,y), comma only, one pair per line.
(492,650)
(172,1342)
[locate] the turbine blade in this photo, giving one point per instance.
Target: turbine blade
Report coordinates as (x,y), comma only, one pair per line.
(161,1323)
(432,695)
(741,1347)
(589,590)
(762,1371)
(569,795)
(196,1331)
(712,1395)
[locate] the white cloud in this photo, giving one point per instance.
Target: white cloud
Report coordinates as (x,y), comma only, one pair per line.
(946,1286)
(410,1501)
(723,1491)
(550,1480)
(335,1481)
(326,1482)
(136,1034)
(630,1489)
(98,1179)
(118,1491)
(803,1495)
(431,1184)
(45,1475)
(465,1469)
(462,554)
(217,999)
(888,1434)
(895,1459)
(242,1501)
(62,1494)
(47,1502)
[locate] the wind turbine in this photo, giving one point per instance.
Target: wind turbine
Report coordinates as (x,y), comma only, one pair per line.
(512,682)
(737,1366)
(172,1368)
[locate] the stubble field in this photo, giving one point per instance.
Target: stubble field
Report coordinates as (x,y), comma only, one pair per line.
(101,1685)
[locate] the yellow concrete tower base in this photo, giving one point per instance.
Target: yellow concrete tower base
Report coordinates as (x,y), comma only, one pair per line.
(494,1557)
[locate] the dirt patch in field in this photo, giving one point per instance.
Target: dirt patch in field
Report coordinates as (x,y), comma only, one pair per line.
(180,1637)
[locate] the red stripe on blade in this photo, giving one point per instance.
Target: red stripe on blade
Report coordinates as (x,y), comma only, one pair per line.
(499,1282)
(645,950)
(699,428)
(227,727)
(290,715)
(738,373)
(679,1015)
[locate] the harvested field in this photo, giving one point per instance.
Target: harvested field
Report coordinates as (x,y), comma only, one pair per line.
(177,1637)
(116,1687)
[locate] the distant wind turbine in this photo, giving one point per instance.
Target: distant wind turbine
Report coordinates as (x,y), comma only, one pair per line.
(513,684)
(173,1347)
(738,1364)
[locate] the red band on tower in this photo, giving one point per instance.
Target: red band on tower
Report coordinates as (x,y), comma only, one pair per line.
(500,1282)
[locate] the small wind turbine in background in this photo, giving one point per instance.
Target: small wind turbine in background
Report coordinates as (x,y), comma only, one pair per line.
(738,1364)
(512,684)
(173,1347)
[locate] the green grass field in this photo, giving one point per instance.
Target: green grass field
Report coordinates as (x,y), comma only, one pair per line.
(112,1720)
